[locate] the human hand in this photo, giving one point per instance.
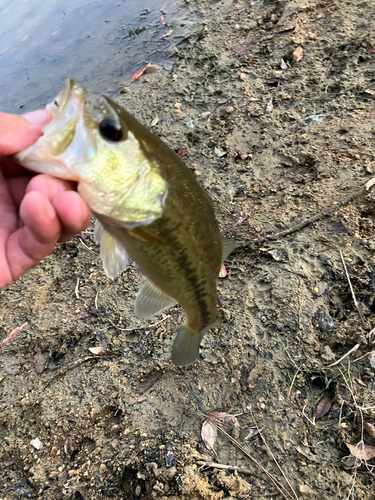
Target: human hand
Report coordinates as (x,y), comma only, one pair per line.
(37,211)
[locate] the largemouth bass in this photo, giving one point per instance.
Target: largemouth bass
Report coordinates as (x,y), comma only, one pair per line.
(148,205)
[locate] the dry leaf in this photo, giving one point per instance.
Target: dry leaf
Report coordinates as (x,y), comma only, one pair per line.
(351,462)
(370,429)
(276,254)
(283,64)
(225,417)
(323,407)
(140,73)
(209,435)
(305,451)
(182,152)
(155,121)
(96,350)
(361,451)
(223,271)
(253,432)
(269,107)
(359,381)
(220,153)
(298,54)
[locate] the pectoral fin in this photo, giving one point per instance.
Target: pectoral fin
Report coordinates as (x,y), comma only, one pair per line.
(150,300)
(113,254)
(227,247)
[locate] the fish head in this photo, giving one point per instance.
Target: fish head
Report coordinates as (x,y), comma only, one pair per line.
(90,140)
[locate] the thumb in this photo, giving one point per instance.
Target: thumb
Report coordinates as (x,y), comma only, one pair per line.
(20,132)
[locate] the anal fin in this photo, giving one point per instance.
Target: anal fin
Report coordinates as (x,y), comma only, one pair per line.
(113,254)
(227,247)
(151,300)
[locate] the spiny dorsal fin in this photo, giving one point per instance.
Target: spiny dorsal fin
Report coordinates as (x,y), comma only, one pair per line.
(150,300)
(113,254)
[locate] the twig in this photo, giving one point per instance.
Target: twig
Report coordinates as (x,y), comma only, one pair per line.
(80,240)
(76,363)
(12,335)
(353,349)
(312,219)
(96,300)
(274,459)
(225,467)
(77,287)
(138,327)
(294,378)
(351,288)
(312,422)
(358,359)
(277,483)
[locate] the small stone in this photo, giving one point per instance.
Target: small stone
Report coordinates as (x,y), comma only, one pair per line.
(303,138)
(262,406)
(328,354)
(138,491)
(274,18)
(37,444)
(230,110)
(53,451)
(126,432)
(177,105)
(305,490)
(102,468)
(316,290)
(40,363)
(125,90)
(237,27)
(243,76)
(115,429)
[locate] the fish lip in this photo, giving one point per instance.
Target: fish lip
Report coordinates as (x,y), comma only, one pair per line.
(70,87)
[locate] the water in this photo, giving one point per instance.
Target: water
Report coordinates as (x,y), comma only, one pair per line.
(101,43)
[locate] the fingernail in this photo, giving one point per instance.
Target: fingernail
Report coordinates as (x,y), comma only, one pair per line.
(38,118)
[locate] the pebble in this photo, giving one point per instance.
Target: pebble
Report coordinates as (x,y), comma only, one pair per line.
(230,110)
(102,468)
(177,105)
(305,490)
(126,432)
(37,444)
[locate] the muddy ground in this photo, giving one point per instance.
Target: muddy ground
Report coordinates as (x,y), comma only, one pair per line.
(126,424)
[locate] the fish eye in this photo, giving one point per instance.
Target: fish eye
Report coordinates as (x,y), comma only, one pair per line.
(110,130)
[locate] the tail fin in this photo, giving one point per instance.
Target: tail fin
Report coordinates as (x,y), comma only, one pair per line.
(185,349)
